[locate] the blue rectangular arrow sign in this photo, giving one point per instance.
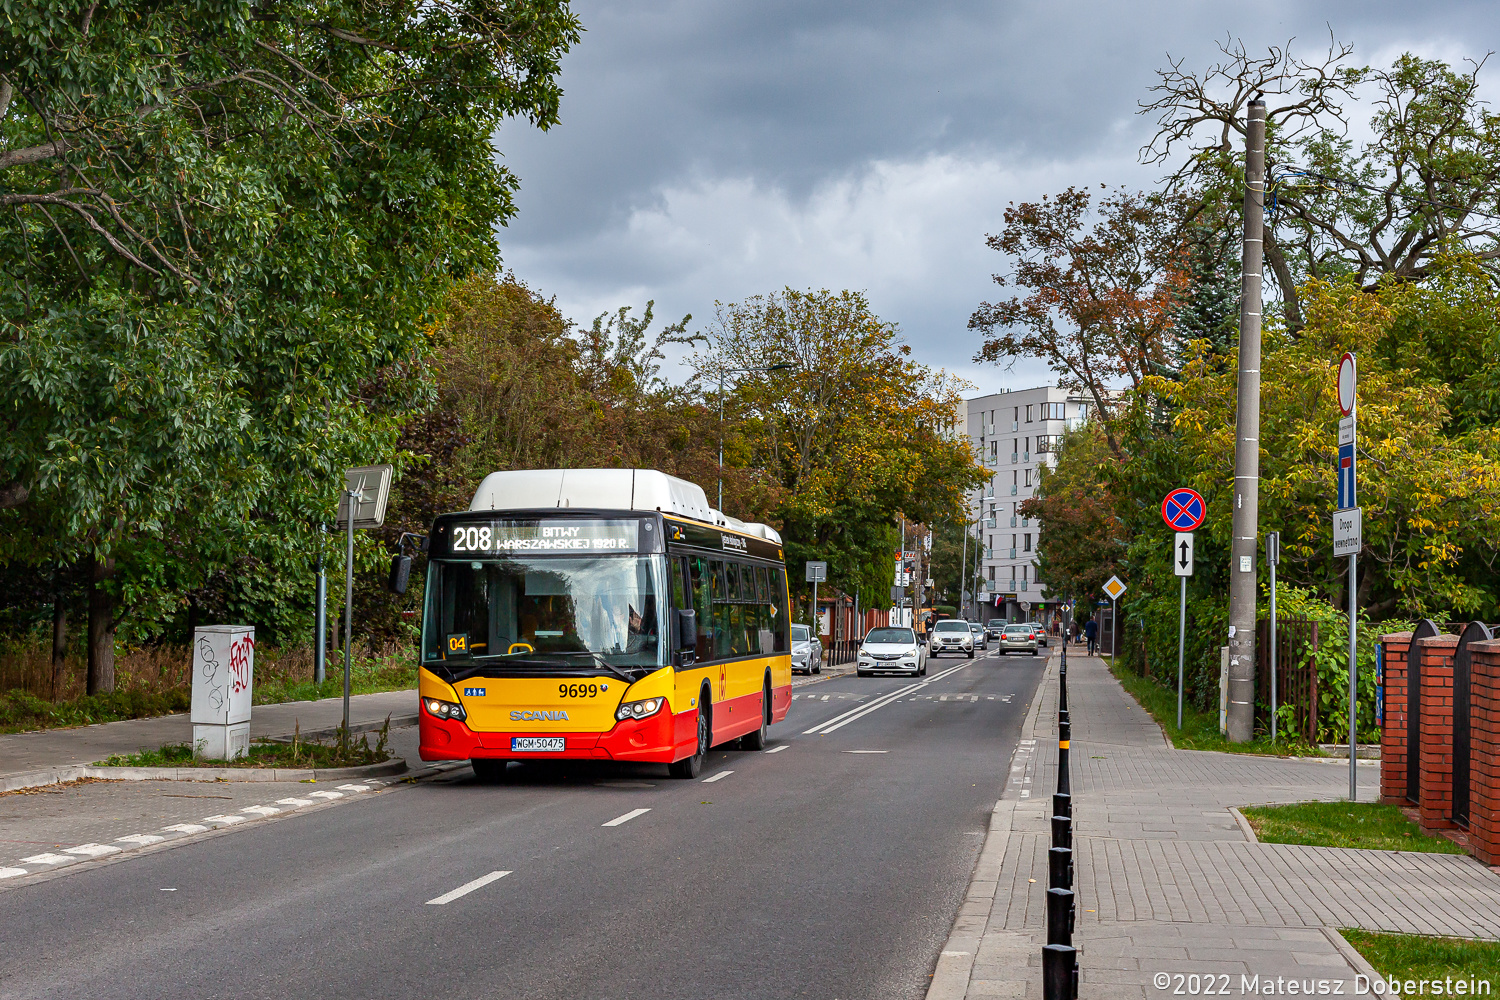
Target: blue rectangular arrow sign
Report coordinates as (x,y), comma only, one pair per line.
(1346,477)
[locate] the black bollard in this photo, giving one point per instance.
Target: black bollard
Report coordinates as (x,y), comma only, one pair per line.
(1060,916)
(1062,804)
(1059,972)
(1060,868)
(1064,730)
(1062,831)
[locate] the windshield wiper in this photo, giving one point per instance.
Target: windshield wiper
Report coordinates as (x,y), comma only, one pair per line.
(537,659)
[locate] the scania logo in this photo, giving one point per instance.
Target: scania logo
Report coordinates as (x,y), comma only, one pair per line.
(523,716)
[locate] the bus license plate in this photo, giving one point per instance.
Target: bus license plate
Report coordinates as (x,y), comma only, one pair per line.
(535,744)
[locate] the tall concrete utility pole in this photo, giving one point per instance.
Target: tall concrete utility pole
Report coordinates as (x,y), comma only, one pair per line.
(1244,546)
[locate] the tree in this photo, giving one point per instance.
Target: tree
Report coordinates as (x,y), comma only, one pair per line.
(853,433)
(1080,542)
(1100,299)
(1429,175)
(226,226)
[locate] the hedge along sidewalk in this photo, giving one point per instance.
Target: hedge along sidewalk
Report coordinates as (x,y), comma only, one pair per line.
(48,756)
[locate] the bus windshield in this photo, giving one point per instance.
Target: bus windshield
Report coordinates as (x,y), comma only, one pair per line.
(548,614)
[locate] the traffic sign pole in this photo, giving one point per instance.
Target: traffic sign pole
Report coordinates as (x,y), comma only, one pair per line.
(1348,501)
(1183,510)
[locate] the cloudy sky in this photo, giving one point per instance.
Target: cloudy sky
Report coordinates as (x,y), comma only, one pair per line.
(711,150)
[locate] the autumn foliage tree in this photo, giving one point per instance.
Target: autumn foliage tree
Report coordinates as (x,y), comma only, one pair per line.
(1099,286)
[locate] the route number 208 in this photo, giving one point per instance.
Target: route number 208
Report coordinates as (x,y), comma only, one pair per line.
(578,690)
(473,539)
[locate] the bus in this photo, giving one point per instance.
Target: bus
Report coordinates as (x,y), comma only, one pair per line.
(600,614)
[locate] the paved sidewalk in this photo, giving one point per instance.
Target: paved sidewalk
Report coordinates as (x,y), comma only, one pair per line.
(25,757)
(1168,881)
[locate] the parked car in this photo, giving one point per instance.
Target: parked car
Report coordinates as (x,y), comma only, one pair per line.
(1041,632)
(951,635)
(807,652)
(995,629)
(891,650)
(1020,638)
(981,638)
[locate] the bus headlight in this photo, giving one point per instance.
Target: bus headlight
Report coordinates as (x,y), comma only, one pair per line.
(443,709)
(639,709)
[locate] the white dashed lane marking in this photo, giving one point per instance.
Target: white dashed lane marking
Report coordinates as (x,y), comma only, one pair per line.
(778,749)
(466,888)
(619,820)
(83,852)
(716,777)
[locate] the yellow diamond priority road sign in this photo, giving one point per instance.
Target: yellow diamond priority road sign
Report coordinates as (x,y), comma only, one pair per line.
(1114,588)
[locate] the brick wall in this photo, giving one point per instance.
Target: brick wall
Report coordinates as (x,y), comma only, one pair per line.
(1436,752)
(1393,729)
(1484,751)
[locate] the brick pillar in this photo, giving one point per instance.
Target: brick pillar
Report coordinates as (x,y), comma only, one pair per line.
(1484,751)
(1393,730)
(1436,752)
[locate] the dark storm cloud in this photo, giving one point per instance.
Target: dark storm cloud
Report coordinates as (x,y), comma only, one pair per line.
(710,150)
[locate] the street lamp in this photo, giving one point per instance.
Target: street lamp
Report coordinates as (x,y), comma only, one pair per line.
(722,373)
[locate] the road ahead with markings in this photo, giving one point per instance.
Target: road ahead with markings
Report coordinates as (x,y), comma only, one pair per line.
(831,865)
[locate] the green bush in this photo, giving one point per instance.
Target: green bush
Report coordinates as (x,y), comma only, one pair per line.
(1150,635)
(20,711)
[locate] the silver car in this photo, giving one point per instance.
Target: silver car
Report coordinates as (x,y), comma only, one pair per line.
(1041,632)
(1018,638)
(981,639)
(893,650)
(951,635)
(807,652)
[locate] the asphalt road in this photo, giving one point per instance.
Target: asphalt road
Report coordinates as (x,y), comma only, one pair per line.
(811,871)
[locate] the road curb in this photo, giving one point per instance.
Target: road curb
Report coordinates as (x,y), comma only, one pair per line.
(56,775)
(955,964)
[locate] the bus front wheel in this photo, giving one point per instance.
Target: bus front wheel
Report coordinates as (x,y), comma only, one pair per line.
(691,767)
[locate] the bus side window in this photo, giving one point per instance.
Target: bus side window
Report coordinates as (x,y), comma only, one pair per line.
(677,570)
(722,644)
(783,620)
(698,569)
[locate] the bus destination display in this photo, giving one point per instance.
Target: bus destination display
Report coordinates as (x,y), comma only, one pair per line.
(560,537)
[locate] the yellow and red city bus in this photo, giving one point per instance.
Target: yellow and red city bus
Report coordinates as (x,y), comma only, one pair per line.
(600,614)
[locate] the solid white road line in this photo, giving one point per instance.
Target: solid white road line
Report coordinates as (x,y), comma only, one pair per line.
(716,777)
(778,749)
(866,751)
(840,721)
(466,888)
(618,820)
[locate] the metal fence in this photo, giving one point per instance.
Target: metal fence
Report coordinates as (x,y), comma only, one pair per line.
(1296,676)
(842,651)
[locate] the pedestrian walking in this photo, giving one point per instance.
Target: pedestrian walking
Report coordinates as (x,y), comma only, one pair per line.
(1091,632)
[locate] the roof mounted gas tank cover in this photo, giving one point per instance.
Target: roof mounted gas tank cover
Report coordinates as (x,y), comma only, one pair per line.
(607,489)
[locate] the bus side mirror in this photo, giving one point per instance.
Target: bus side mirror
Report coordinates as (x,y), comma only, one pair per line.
(400,574)
(687,628)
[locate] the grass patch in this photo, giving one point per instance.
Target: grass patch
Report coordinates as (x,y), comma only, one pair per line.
(367,675)
(21,712)
(1200,730)
(278,678)
(266,753)
(1370,826)
(1414,956)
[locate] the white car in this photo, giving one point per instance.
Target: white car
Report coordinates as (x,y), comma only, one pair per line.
(894,650)
(951,635)
(807,652)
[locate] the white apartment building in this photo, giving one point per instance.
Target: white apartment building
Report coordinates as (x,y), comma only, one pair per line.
(1013,435)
